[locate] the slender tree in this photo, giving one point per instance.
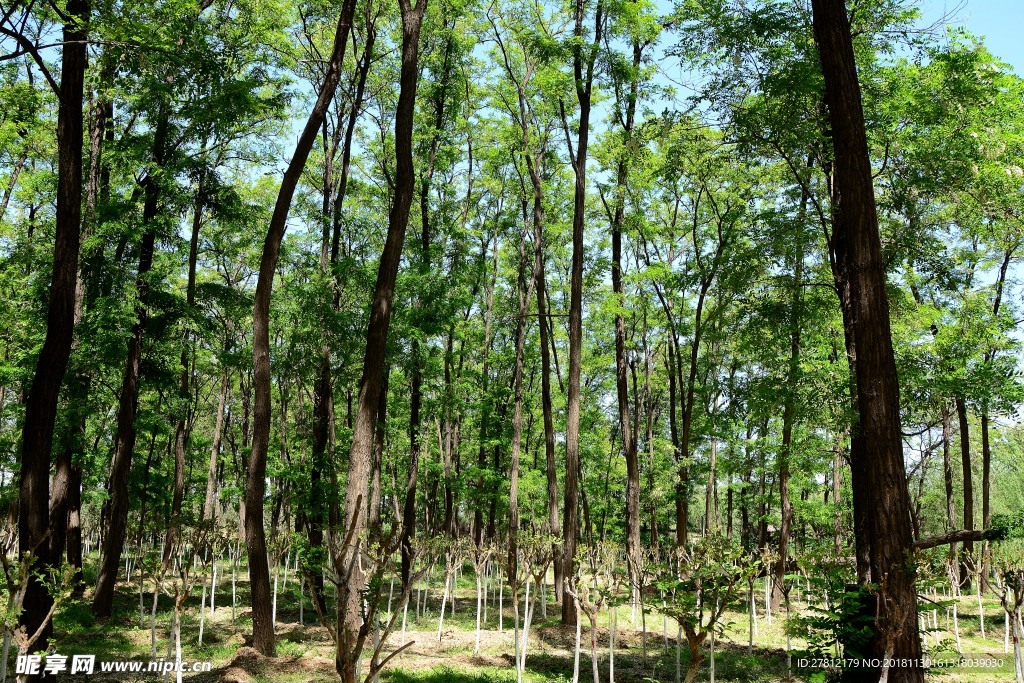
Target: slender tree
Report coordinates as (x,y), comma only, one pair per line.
(255,480)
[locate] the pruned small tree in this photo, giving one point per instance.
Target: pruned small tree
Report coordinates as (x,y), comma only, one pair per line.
(185,560)
(375,559)
(1008,563)
(480,556)
(535,551)
(455,551)
(704,581)
(58,582)
(595,585)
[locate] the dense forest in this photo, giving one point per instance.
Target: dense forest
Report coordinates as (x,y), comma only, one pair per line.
(510,340)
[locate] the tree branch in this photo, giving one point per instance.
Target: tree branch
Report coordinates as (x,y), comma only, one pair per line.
(958,536)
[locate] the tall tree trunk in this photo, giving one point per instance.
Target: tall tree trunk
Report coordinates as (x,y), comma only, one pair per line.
(323,474)
(947,476)
(210,500)
(101,134)
(322,458)
(360,454)
(44,392)
(124,441)
(485,403)
(968,481)
(550,466)
(255,481)
(525,290)
(533,159)
(859,256)
(181,428)
(688,387)
(408,533)
(789,413)
(583,72)
(986,447)
(66,498)
(629,439)
(682,470)
(418,361)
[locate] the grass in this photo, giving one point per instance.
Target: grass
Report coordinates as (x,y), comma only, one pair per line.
(305,652)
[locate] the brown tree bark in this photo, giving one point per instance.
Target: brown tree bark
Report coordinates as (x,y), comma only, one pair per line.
(584,57)
(210,500)
(859,257)
(255,481)
(525,291)
(350,623)
(550,465)
(379,437)
(951,537)
(629,440)
(485,405)
(986,446)
(66,498)
(124,440)
(44,392)
(533,158)
(947,476)
(322,458)
(682,502)
(788,416)
(181,427)
(968,484)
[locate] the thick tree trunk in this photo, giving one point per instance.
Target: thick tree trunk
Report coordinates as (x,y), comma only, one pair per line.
(859,256)
(255,482)
(44,392)
(418,361)
(66,501)
(351,575)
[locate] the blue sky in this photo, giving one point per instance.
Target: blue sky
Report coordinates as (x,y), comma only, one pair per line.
(998,21)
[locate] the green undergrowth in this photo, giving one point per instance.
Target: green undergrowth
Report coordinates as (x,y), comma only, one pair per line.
(305,655)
